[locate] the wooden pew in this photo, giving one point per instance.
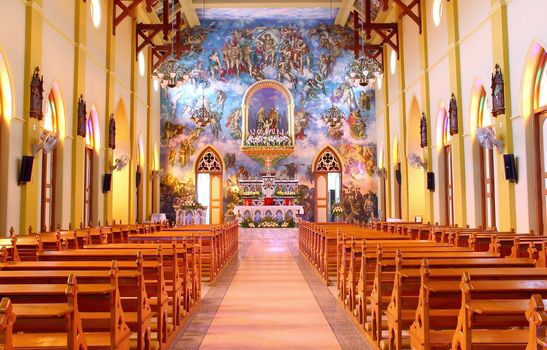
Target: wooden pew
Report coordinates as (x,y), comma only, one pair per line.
(537,321)
(163,285)
(492,313)
(134,301)
(350,265)
(104,333)
(386,265)
(407,282)
(188,267)
(430,331)
(59,323)
(217,246)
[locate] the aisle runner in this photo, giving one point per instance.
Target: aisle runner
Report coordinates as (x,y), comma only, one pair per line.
(268,304)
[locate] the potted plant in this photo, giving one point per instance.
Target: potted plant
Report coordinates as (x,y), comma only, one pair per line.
(337,211)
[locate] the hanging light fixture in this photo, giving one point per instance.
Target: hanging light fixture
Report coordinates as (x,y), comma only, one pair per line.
(203,116)
(171,73)
(364,70)
(332,116)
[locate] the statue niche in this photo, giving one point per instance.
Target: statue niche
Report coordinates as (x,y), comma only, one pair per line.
(268,121)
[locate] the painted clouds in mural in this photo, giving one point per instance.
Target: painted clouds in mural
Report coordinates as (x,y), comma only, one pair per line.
(310,58)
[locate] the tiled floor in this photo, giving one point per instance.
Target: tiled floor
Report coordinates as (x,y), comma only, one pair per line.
(274,301)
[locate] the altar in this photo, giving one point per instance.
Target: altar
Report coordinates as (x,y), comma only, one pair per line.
(276,212)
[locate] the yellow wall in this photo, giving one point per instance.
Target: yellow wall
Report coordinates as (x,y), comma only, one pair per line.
(453,57)
(75,55)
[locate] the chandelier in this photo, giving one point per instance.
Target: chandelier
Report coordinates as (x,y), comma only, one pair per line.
(203,116)
(332,116)
(170,73)
(364,71)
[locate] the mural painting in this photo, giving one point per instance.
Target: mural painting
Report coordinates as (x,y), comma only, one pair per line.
(310,58)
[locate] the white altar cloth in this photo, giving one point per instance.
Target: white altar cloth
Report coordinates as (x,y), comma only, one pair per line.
(286,211)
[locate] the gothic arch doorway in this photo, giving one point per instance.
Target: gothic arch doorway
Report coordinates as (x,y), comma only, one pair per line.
(327,183)
(209,169)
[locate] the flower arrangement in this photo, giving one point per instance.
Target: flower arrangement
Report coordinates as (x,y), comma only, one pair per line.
(247,223)
(267,138)
(191,205)
(289,223)
(268,223)
(285,194)
(251,194)
(337,209)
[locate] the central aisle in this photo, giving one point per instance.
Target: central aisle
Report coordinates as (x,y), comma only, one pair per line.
(270,299)
(269,304)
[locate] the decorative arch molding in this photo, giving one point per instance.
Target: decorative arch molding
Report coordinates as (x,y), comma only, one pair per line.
(7,111)
(93,125)
(319,158)
(268,83)
(395,156)
(413,133)
(209,161)
(141,155)
(530,152)
(264,84)
(478,107)
(55,96)
(441,115)
(7,99)
(537,54)
(123,139)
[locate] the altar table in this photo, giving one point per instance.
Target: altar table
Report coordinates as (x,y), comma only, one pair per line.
(277,212)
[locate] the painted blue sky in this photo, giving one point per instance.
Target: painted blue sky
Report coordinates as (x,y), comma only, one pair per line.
(312,13)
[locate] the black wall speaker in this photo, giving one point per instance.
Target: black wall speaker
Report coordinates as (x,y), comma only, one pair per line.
(138,178)
(510,167)
(431,181)
(398,175)
(107,182)
(25,173)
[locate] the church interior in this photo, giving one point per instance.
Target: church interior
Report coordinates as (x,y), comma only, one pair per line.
(284,174)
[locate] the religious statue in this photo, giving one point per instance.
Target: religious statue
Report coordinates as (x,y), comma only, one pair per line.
(112,132)
(498,94)
(423,131)
(261,119)
(273,119)
(36,95)
(82,117)
(453,115)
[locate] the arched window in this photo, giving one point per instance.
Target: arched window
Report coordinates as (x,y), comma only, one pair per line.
(397,189)
(209,169)
(540,120)
(139,178)
(49,164)
(88,170)
(486,159)
(328,184)
(448,178)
